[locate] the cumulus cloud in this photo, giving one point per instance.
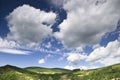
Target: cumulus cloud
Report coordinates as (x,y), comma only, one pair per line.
(28,25)
(14,51)
(87,21)
(109,60)
(106,55)
(41,61)
(74,58)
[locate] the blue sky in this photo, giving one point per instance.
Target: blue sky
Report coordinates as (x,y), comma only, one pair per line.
(60,33)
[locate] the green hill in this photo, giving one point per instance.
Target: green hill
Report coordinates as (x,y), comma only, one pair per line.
(9,72)
(105,73)
(41,70)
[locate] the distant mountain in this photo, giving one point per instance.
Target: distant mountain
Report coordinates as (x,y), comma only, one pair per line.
(9,72)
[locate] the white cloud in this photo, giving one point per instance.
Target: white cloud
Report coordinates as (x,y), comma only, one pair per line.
(57,50)
(98,53)
(80,67)
(106,55)
(119,37)
(109,61)
(89,67)
(9,46)
(74,58)
(41,61)
(83,67)
(58,3)
(14,51)
(79,49)
(49,45)
(29,26)
(69,67)
(96,46)
(48,56)
(87,21)
(4,43)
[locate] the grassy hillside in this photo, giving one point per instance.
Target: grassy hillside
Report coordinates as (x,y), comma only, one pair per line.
(105,73)
(37,73)
(14,73)
(41,70)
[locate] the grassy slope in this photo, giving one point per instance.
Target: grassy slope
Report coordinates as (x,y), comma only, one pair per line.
(9,72)
(41,70)
(31,73)
(105,73)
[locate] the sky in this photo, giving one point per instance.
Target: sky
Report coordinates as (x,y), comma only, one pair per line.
(67,34)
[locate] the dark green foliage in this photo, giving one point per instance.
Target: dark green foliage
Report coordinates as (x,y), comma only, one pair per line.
(75,70)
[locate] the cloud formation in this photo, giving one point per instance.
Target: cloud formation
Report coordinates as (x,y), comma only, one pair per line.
(87,21)
(14,51)
(57,3)
(106,55)
(74,58)
(69,67)
(49,45)
(4,43)
(41,61)
(8,46)
(29,26)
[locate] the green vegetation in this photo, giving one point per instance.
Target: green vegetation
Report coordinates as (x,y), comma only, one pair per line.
(41,70)
(37,73)
(105,73)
